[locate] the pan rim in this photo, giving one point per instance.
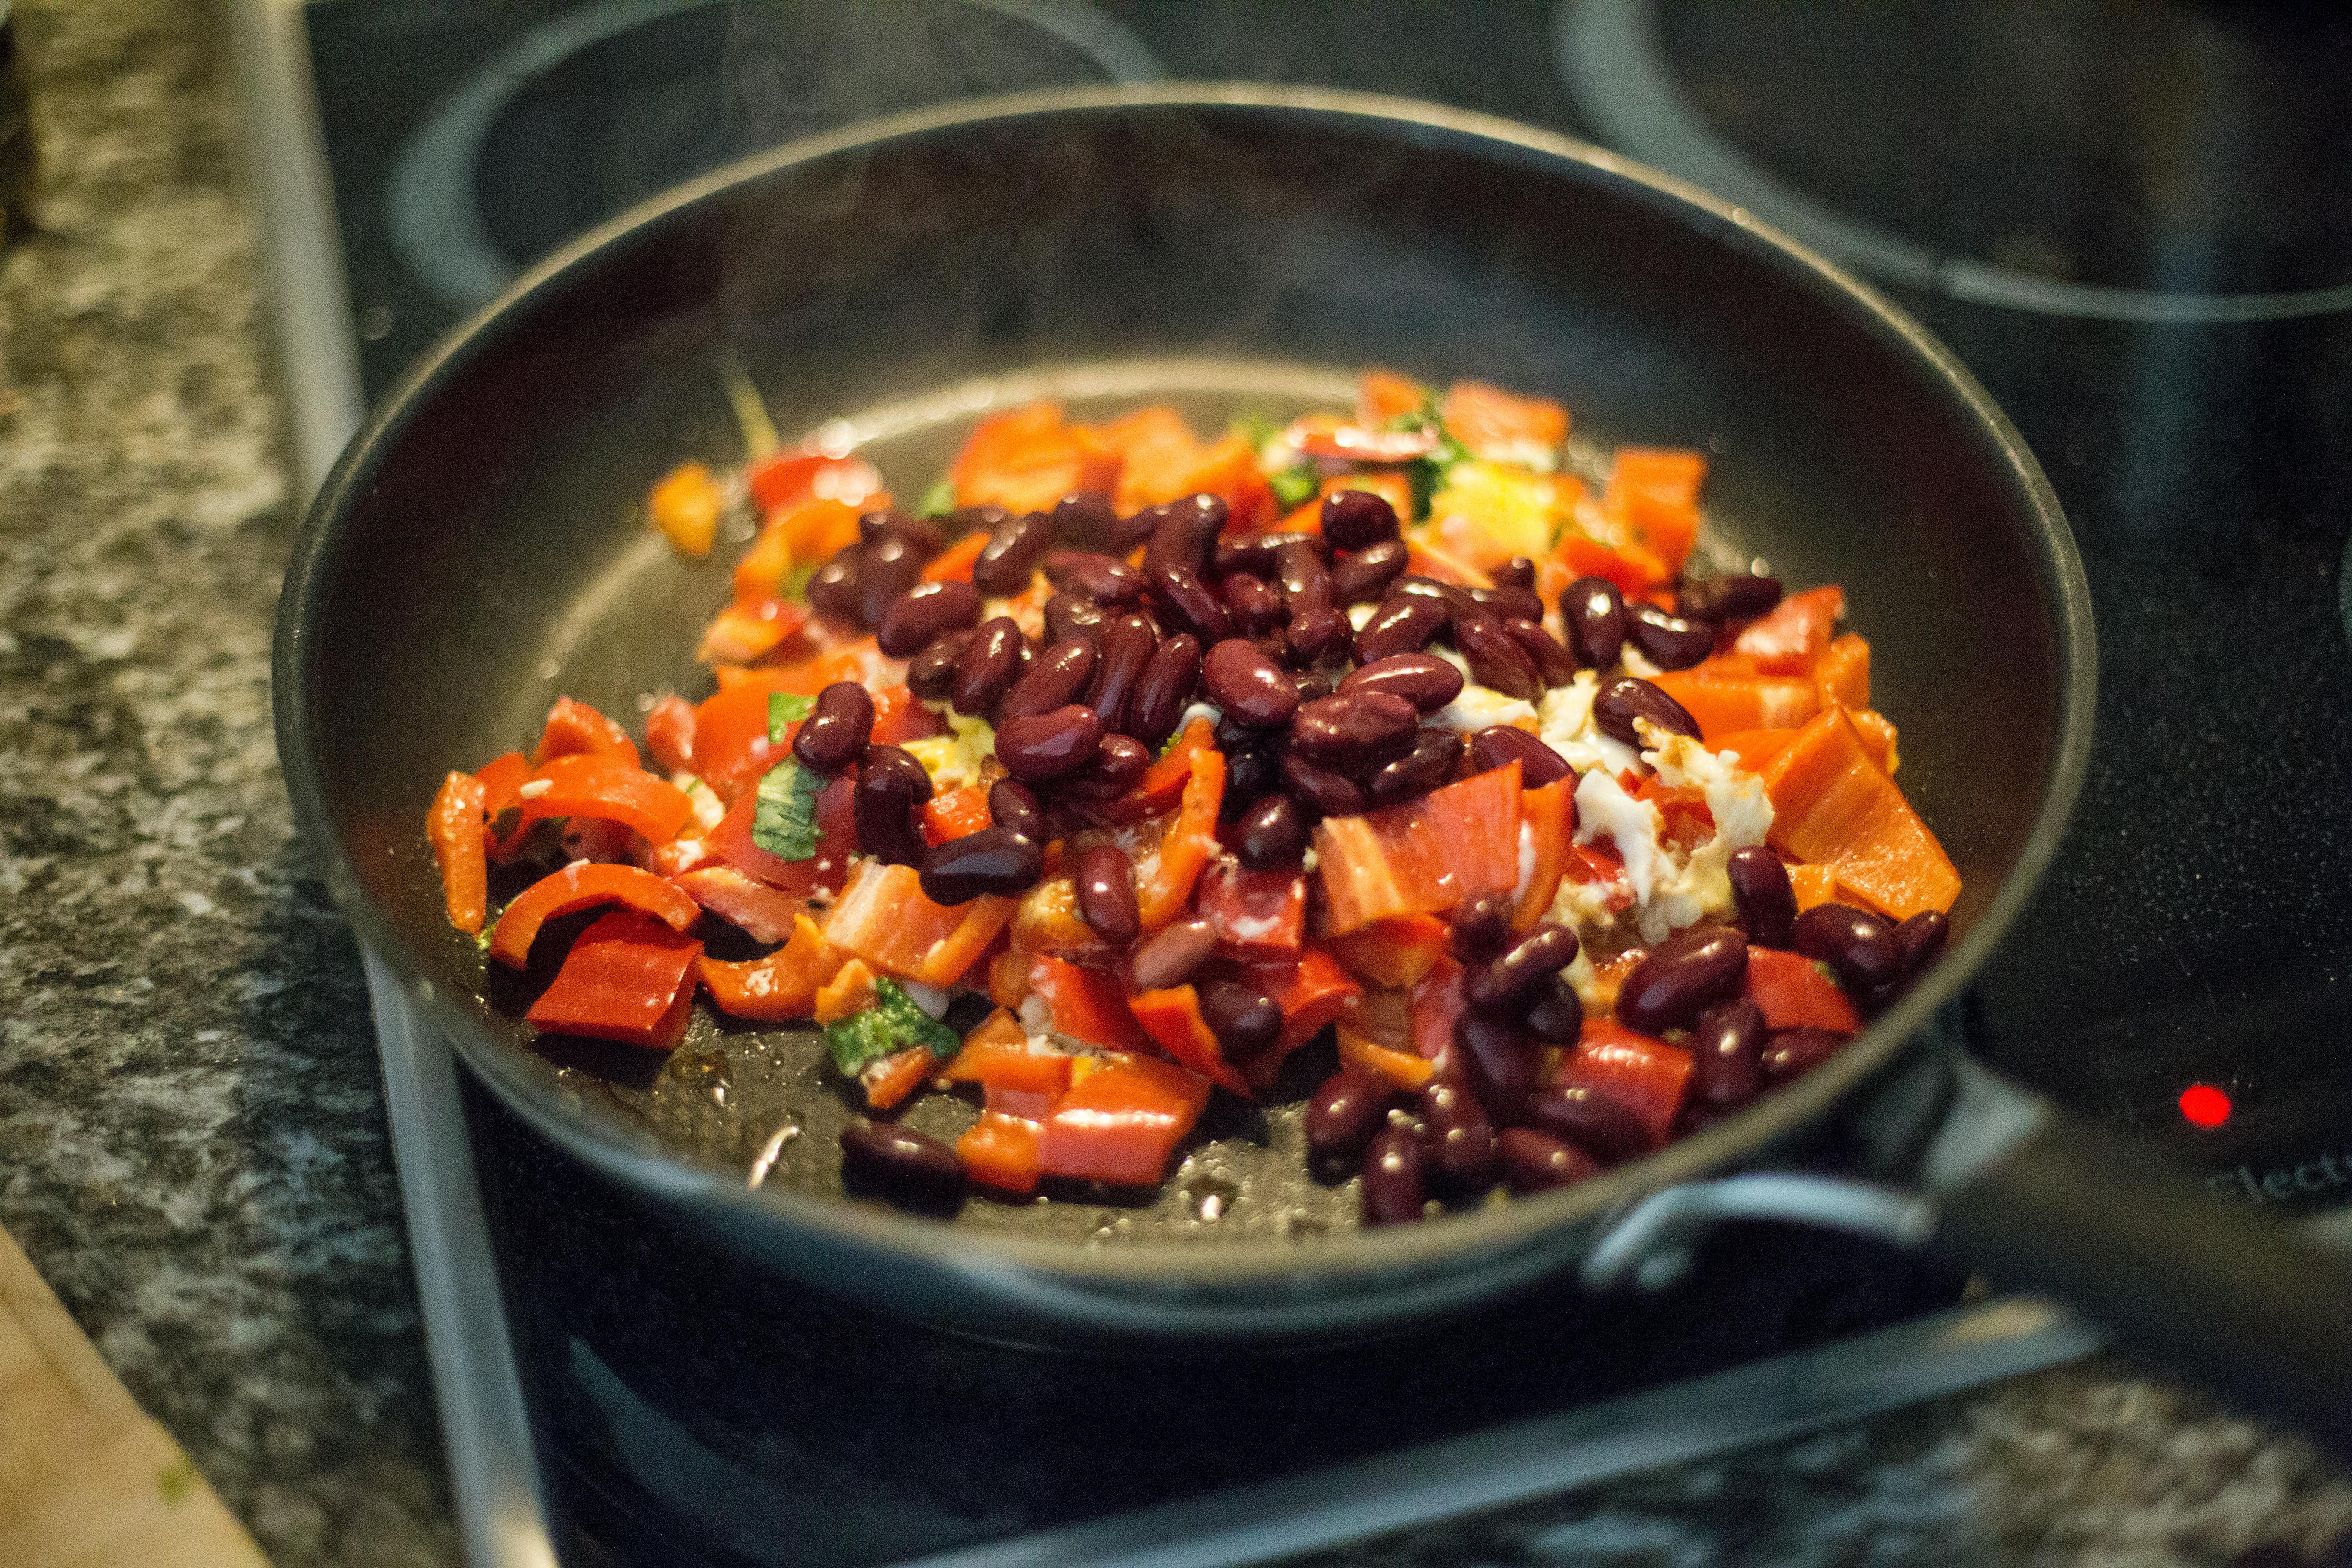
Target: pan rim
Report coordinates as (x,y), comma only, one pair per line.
(1528,1235)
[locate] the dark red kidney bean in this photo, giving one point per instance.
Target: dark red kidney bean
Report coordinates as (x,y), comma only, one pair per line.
(1317,637)
(1600,1126)
(1593,611)
(1354,519)
(1761,892)
(1362,576)
(1342,1115)
(1727,1053)
(1356,731)
(1251,772)
(1254,553)
(1460,1134)
(1086,518)
(1670,641)
(1128,645)
(1734,596)
(1555,666)
(1170,955)
(1313,686)
(1396,1177)
(1452,597)
(1518,572)
(1186,604)
(1681,977)
(1246,686)
(991,663)
(932,673)
(1071,615)
(975,520)
(1510,604)
(1118,766)
(1481,928)
(1246,1021)
(1332,793)
(1428,765)
(1300,573)
(920,536)
(1556,1013)
(1423,679)
(834,733)
(890,786)
(1013,804)
(1629,697)
(1856,944)
(1163,691)
(1106,579)
(1498,744)
(1037,746)
(1792,1053)
(1253,604)
(1509,981)
(1106,880)
(1920,940)
(1014,549)
(1495,660)
(1136,528)
(833,591)
(887,568)
(997,861)
(1184,536)
(1503,1060)
(1406,624)
(1058,678)
(1273,834)
(925,611)
(900,1162)
(1535,1162)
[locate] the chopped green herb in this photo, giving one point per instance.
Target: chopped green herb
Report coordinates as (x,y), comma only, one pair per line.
(1293,486)
(796,581)
(939,500)
(785,707)
(784,822)
(892,1023)
(1257,428)
(1427,475)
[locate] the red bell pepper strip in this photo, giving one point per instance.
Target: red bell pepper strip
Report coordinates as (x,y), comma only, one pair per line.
(1313,992)
(783,984)
(888,1079)
(574,729)
(1402,1068)
(1162,786)
(1648,1076)
(762,912)
(883,918)
(957,813)
(1028,458)
(1164,879)
(453,827)
(1792,992)
(1435,1003)
(1000,1150)
(1172,1018)
(836,843)
(1787,638)
(1393,953)
(793,475)
(1018,1080)
(954,564)
(613,788)
(1256,915)
(669,733)
(1424,856)
(500,776)
(579,886)
(1492,421)
(731,748)
(1121,1119)
(628,978)
(898,718)
(1088,1005)
(1550,814)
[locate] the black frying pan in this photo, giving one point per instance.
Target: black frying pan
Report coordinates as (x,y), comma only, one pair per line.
(478,550)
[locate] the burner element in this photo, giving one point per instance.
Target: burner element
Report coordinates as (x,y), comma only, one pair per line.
(2204,1106)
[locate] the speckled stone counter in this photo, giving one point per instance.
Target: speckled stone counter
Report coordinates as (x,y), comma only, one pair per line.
(191,1141)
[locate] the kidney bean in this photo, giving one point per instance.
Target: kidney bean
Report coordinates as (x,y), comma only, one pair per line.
(1792,1053)
(1591,1119)
(1727,1053)
(1342,1115)
(1317,636)
(1555,666)
(1251,772)
(1509,604)
(1430,764)
(1086,518)
(1502,1058)
(1355,731)
(1481,929)
(1460,1134)
(1071,615)
(1106,579)
(890,786)
(834,733)
(1014,549)
(1733,596)
(1300,573)
(1402,624)
(1255,552)
(1363,575)
(1184,536)
(1170,955)
(1313,686)
(919,535)
(1038,746)
(925,611)
(1495,660)
(1332,793)
(1057,677)
(1629,697)
(1118,766)
(1105,880)
(1246,686)
(1128,645)
(1760,891)
(1417,585)
(1186,604)
(1556,1013)
(1354,519)
(1273,834)
(1535,1162)
(1593,611)
(908,1165)
(1396,1177)
(1246,1021)
(1423,679)
(991,663)
(833,591)
(1856,944)
(887,568)
(966,520)
(930,674)
(1137,527)
(1682,976)
(1013,804)
(1254,606)
(1163,691)
(1498,744)
(1670,641)
(1920,940)
(994,860)
(1507,984)
(1518,572)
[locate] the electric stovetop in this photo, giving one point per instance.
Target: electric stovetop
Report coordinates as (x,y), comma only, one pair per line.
(2140,237)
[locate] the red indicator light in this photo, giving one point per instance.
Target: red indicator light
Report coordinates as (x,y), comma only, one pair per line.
(2204,1105)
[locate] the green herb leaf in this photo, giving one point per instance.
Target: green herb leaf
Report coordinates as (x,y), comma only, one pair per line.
(1427,475)
(892,1023)
(1293,486)
(796,581)
(939,500)
(784,822)
(785,708)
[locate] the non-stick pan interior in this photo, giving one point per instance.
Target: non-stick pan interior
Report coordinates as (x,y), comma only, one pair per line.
(483,549)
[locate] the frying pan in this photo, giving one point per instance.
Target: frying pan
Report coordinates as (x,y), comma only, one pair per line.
(480,550)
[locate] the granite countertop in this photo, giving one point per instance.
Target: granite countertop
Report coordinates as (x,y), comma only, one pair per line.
(192,1138)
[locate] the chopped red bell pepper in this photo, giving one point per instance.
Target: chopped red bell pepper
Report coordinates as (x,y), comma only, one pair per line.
(574,729)
(1550,814)
(954,564)
(836,843)
(793,475)
(1403,1069)
(1088,1005)
(627,978)
(888,1079)
(453,827)
(1164,879)
(1121,1120)
(763,912)
(731,749)
(669,733)
(1172,1018)
(957,813)
(1162,787)
(898,718)
(1395,953)
(1256,915)
(1312,992)
(1436,1002)
(883,918)
(1648,1076)
(783,984)
(613,788)
(1792,992)
(1424,856)
(500,776)
(1787,638)
(1000,1150)
(579,886)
